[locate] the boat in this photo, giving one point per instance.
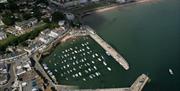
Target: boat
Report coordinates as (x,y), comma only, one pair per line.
(171,72)
(45,66)
(108,53)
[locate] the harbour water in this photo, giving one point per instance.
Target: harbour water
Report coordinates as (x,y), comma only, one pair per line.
(83,63)
(148,36)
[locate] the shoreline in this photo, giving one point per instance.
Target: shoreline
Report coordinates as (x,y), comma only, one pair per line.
(121,5)
(112,7)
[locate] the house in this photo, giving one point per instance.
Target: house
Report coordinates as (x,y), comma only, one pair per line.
(70,16)
(124,1)
(3,73)
(22,27)
(3,79)
(94,0)
(53,34)
(3,1)
(22,65)
(3,67)
(120,1)
(1,23)
(26,24)
(61,23)
(68,3)
(83,1)
(2,35)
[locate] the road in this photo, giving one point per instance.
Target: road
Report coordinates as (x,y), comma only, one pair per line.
(11,80)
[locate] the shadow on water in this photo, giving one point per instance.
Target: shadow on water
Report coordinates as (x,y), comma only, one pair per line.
(97,20)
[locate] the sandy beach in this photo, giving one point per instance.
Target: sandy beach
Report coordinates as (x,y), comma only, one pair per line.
(117,6)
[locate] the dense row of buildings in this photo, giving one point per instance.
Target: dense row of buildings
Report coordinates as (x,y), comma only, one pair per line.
(70,3)
(3,73)
(23,27)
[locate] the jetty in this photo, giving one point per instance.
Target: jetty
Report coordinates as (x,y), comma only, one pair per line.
(136,86)
(109,49)
(139,83)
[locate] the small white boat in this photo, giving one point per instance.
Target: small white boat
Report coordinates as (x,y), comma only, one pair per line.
(171,72)
(108,53)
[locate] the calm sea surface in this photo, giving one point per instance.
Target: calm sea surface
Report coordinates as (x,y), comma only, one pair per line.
(148,36)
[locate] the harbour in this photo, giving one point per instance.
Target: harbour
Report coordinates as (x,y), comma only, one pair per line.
(78,61)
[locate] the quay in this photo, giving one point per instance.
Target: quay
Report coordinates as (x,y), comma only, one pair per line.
(136,86)
(109,49)
(139,83)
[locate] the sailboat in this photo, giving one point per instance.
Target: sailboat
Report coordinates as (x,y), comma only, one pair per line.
(171,72)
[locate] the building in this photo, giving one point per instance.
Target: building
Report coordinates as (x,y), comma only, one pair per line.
(124,1)
(94,0)
(3,73)
(70,16)
(3,79)
(3,67)
(70,3)
(2,35)
(61,23)
(23,27)
(3,1)
(26,24)
(1,23)
(23,65)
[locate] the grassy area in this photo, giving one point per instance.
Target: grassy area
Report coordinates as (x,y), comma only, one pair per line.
(90,67)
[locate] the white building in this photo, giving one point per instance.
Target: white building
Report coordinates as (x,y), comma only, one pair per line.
(70,16)
(61,23)
(1,23)
(3,1)
(53,34)
(2,35)
(83,1)
(94,0)
(120,1)
(23,65)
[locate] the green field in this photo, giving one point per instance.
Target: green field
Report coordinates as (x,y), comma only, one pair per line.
(84,63)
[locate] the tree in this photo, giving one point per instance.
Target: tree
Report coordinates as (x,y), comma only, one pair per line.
(2,7)
(13,6)
(37,12)
(26,16)
(56,16)
(8,18)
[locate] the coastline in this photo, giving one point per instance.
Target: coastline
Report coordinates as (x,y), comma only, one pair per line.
(112,7)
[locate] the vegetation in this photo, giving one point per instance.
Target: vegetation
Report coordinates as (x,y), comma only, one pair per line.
(37,12)
(15,40)
(26,16)
(56,16)
(8,18)
(13,6)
